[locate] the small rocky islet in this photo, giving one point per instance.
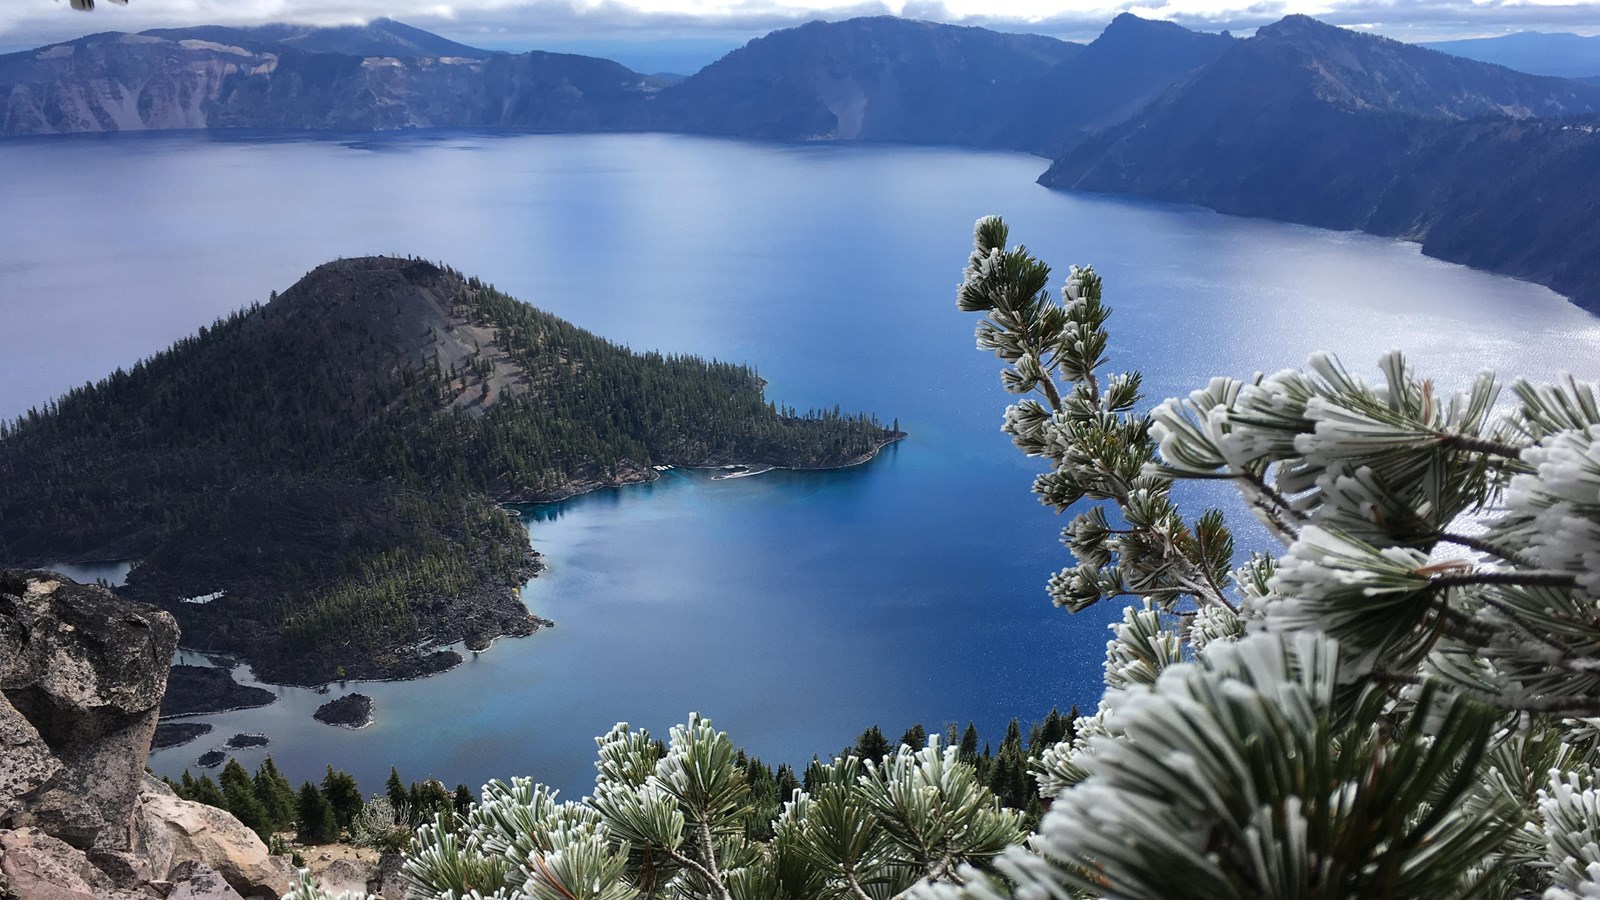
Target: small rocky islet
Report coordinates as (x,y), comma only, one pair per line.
(349,711)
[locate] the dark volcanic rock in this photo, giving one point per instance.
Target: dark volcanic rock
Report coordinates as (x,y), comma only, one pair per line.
(200,689)
(241,741)
(176,734)
(349,711)
(211,759)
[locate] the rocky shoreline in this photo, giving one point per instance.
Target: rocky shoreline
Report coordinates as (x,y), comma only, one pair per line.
(646,474)
(196,690)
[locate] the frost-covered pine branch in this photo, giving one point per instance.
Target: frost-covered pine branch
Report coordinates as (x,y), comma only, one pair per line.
(669,823)
(1396,702)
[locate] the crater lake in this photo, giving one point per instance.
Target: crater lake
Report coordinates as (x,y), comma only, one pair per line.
(794,609)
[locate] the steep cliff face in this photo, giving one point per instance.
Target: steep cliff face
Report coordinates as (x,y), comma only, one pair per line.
(130,82)
(380,37)
(85,672)
(81,679)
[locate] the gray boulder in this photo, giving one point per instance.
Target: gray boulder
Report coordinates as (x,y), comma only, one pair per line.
(196,881)
(85,672)
(82,673)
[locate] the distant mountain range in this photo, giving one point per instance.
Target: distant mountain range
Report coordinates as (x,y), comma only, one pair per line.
(380,37)
(1315,124)
(1303,122)
(1563,55)
(875,79)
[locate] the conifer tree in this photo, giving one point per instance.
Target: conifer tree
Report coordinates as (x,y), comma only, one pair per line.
(672,826)
(206,791)
(343,795)
(317,823)
(239,792)
(872,745)
(969,743)
(396,789)
(276,794)
(916,737)
(1399,702)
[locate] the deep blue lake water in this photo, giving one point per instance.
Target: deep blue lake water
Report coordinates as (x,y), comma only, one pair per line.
(794,609)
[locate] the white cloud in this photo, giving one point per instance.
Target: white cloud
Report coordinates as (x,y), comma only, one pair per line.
(32,22)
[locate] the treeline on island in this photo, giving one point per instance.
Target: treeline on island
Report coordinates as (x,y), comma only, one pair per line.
(315,483)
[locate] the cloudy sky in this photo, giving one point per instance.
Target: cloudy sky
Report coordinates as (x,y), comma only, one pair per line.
(531,24)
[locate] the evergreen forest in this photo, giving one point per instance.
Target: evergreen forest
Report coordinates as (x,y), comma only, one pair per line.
(319,484)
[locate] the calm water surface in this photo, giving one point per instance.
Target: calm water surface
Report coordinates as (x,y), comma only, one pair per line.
(795,609)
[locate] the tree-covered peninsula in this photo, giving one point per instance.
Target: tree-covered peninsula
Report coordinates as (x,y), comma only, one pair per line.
(315,484)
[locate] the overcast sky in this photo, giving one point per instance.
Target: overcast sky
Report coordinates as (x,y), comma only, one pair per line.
(528,24)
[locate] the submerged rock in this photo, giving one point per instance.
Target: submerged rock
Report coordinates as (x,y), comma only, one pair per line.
(349,711)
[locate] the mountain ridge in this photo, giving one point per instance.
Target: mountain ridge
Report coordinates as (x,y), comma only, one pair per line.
(1121,71)
(1420,148)
(880,78)
(379,37)
(1561,54)
(1303,122)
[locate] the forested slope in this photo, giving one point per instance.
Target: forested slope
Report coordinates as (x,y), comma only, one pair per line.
(323,473)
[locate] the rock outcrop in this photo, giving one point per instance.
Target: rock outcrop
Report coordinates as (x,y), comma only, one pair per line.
(347,876)
(205,834)
(82,674)
(36,866)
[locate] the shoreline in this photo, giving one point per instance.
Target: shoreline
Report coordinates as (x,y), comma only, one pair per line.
(652,474)
(433,657)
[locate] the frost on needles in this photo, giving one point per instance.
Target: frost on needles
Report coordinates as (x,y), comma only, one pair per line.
(1398,703)
(1402,700)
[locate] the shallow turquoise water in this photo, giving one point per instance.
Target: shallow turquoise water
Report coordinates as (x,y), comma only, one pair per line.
(794,608)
